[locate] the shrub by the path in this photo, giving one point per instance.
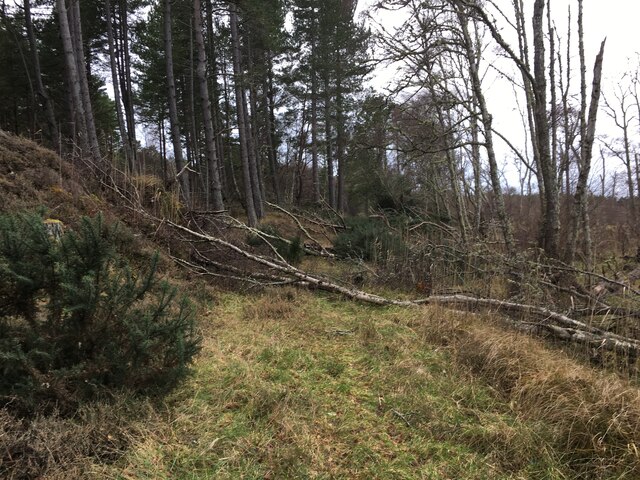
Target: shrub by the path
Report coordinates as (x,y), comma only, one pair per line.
(77,321)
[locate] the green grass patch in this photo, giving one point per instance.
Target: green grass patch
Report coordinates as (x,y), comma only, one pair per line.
(331,389)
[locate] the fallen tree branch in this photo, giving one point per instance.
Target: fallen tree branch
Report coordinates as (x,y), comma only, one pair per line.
(323,252)
(547,318)
(605,311)
(566,327)
(597,342)
(235,223)
(567,268)
(320,223)
(336,213)
(314,282)
(545,314)
(254,279)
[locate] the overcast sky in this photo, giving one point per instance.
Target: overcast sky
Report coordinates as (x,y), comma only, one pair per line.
(615,19)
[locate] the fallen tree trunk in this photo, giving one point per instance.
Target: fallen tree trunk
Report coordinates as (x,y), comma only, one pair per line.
(283,267)
(322,251)
(560,325)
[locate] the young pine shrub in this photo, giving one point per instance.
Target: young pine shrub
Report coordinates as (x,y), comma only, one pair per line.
(368,239)
(76,321)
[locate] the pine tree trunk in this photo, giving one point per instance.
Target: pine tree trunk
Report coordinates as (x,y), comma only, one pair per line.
(254,164)
(193,132)
(340,136)
(116,89)
(252,142)
(212,157)
(127,93)
(173,106)
(240,107)
(75,21)
(269,115)
(314,138)
(227,124)
(329,149)
(215,97)
(42,91)
(80,126)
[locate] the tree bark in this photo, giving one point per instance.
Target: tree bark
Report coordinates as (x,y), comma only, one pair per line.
(76,28)
(551,219)
(527,81)
(315,175)
(256,153)
(123,59)
(580,211)
(487,122)
(52,126)
(340,135)
(116,89)
(212,157)
(270,126)
(242,128)
(126,88)
(182,175)
(80,125)
(250,120)
(329,148)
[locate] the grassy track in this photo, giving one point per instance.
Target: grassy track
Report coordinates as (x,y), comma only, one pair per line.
(291,385)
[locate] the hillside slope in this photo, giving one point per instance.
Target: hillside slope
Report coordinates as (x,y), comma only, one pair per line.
(32,176)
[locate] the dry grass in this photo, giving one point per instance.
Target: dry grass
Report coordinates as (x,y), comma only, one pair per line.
(594,415)
(154,196)
(31,176)
(59,448)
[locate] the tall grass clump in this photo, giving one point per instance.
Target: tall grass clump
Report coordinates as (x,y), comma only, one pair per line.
(594,415)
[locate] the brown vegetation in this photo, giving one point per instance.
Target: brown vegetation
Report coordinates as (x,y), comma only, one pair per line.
(595,416)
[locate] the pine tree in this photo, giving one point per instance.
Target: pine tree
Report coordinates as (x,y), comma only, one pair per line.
(77,320)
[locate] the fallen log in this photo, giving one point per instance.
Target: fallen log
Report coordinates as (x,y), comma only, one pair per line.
(560,325)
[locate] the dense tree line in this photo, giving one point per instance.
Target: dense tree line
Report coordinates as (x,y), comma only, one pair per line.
(254,101)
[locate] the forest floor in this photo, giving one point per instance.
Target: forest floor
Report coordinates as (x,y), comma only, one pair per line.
(292,384)
(295,385)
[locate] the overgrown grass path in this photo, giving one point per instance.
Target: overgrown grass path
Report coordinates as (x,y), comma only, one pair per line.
(291,385)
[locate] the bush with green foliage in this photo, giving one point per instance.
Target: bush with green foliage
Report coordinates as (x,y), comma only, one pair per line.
(368,239)
(77,321)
